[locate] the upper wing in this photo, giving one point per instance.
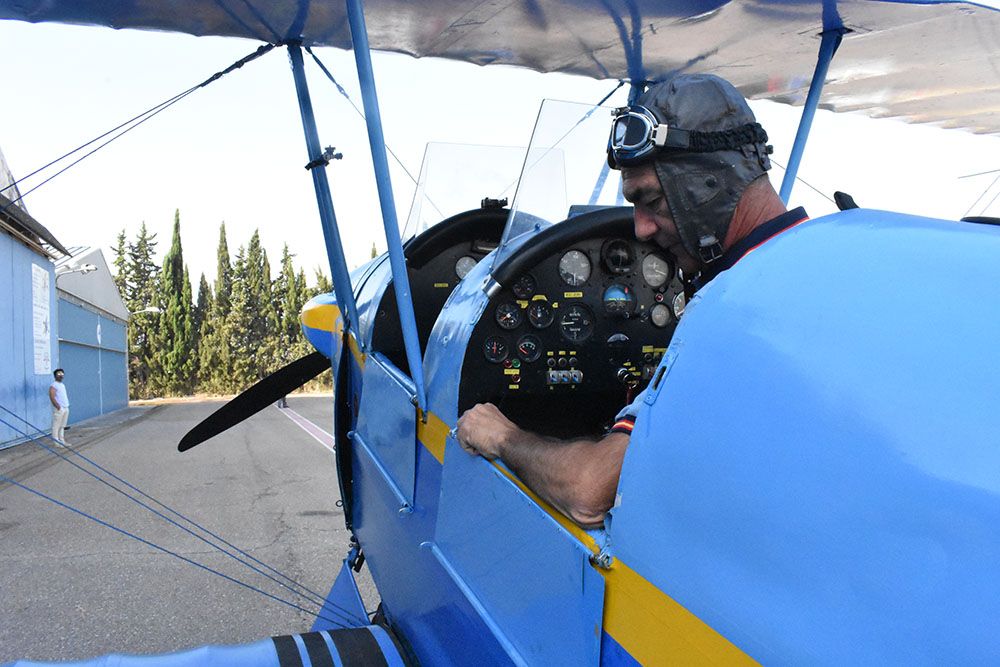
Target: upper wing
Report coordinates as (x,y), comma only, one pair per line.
(924,61)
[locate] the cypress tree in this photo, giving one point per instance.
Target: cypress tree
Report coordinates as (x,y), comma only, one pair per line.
(290,301)
(214,358)
(323,284)
(121,267)
(253,319)
(141,290)
(174,363)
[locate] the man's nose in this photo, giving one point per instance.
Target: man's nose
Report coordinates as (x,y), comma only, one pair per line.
(645,226)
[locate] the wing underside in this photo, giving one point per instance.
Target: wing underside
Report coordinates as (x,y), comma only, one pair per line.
(934,62)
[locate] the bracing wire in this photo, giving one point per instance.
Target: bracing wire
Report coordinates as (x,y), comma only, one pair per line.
(361,113)
(807,184)
(316,599)
(983,194)
(122,531)
(131,124)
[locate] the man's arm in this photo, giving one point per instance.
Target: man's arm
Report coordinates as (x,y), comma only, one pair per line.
(577,477)
(52,398)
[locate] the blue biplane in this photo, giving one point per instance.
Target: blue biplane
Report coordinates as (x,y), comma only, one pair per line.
(814,476)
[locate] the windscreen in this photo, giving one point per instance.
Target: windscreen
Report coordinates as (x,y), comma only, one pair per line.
(565,171)
(456,178)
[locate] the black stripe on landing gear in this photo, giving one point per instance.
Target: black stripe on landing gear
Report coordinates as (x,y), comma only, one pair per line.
(288,651)
(316,647)
(357,646)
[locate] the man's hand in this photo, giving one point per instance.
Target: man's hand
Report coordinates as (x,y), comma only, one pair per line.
(483,430)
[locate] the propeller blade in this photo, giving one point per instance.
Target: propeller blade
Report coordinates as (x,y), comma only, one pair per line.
(256,398)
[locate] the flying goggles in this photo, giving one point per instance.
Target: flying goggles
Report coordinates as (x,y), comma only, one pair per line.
(637,133)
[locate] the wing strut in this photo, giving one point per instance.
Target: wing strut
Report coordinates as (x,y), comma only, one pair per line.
(827,48)
(317,167)
(373,117)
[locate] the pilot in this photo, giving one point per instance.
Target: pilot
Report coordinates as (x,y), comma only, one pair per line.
(694,164)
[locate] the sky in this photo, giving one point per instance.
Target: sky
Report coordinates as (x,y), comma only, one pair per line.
(234,151)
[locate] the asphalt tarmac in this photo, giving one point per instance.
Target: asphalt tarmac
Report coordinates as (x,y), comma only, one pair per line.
(73,589)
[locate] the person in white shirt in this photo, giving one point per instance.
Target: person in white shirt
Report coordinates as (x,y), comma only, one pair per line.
(60,405)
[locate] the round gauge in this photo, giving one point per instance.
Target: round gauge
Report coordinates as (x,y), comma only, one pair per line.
(574,268)
(539,314)
(678,304)
(508,315)
(619,300)
(660,315)
(617,256)
(523,287)
(495,349)
(576,323)
(656,271)
(529,347)
(464,265)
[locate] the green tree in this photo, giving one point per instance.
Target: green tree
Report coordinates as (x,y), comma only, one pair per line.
(214,358)
(121,266)
(202,310)
(290,297)
(174,363)
(253,319)
(141,288)
(323,284)
(374,251)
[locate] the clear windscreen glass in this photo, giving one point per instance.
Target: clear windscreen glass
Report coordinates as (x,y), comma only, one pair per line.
(456,178)
(565,171)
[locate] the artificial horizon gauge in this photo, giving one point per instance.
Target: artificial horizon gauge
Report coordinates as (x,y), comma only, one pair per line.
(619,300)
(495,349)
(655,270)
(523,287)
(574,268)
(464,265)
(529,347)
(617,256)
(508,315)
(540,315)
(660,315)
(576,323)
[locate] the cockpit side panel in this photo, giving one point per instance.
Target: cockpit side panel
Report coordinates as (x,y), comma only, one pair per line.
(816,476)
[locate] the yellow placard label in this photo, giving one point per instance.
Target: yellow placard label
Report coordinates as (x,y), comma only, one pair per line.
(523,303)
(513,386)
(441,285)
(539,297)
(647,348)
(511,371)
(573,295)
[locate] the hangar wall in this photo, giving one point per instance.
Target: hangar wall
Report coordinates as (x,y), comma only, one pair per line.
(23,390)
(93,350)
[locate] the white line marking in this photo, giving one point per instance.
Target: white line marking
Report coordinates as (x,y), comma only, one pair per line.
(318,434)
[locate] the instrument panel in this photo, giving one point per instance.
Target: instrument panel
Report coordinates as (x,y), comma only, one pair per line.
(570,341)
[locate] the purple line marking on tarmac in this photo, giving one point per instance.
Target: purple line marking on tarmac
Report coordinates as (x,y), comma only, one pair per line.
(318,434)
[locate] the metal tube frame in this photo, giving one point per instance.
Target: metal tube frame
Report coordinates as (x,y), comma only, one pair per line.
(376,139)
(328,219)
(828,47)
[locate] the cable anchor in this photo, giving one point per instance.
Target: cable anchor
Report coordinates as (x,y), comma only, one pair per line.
(329,153)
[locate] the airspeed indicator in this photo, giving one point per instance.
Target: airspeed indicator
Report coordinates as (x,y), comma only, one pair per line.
(576,324)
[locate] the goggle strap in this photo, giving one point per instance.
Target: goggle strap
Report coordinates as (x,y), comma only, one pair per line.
(734,139)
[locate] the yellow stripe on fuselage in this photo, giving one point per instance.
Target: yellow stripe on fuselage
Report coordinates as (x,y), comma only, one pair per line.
(655,629)
(651,626)
(359,356)
(432,435)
